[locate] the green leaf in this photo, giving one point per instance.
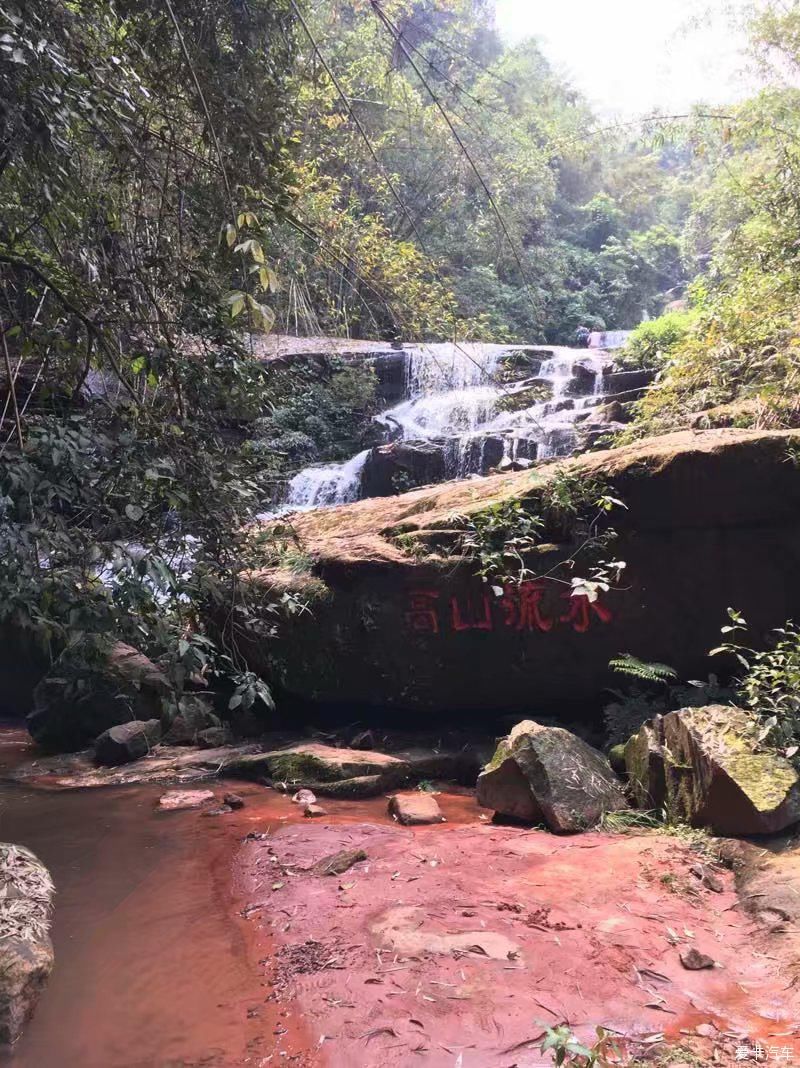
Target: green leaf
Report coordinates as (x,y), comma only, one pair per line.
(134,512)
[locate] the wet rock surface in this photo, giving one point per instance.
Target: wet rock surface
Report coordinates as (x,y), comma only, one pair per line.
(126,742)
(545,774)
(26,952)
(419,953)
(414,809)
(163,764)
(332,771)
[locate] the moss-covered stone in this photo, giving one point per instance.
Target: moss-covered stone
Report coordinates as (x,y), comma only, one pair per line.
(644,763)
(546,773)
(706,766)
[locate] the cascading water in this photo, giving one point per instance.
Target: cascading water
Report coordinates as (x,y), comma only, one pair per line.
(458,401)
(315,487)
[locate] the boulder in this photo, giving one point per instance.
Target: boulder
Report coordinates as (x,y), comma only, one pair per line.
(414,809)
(644,763)
(26,952)
(76,702)
(351,773)
(545,774)
(718,776)
(712,518)
(126,742)
(213,737)
(195,716)
(391,469)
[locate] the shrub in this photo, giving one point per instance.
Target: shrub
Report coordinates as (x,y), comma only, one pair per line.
(770,685)
(652,343)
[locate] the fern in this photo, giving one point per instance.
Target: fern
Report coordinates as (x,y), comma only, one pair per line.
(627,664)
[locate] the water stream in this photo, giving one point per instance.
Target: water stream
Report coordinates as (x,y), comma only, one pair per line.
(460,398)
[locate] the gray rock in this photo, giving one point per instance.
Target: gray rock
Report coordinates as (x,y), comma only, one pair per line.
(413,809)
(126,742)
(212,737)
(547,774)
(77,702)
(26,952)
(644,763)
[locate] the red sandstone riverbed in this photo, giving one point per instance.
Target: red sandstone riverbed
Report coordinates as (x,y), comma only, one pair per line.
(181,941)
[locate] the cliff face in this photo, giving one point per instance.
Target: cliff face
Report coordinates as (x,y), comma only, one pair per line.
(712,520)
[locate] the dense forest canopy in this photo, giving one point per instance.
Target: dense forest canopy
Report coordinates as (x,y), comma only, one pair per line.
(178,179)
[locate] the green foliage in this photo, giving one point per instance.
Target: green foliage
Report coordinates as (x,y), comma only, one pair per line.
(405,240)
(652,343)
(568,1050)
(512,540)
(317,413)
(132,136)
(655,693)
(740,360)
(499,539)
(627,664)
(770,684)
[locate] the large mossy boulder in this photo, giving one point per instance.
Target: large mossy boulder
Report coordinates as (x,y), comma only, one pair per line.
(711,519)
(26,952)
(706,766)
(77,701)
(548,775)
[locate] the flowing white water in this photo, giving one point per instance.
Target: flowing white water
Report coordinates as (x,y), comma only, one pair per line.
(608,339)
(315,487)
(455,399)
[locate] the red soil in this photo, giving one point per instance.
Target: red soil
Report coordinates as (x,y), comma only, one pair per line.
(465,940)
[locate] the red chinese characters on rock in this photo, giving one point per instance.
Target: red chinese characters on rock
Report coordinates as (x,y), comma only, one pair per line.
(473,612)
(524,606)
(422,614)
(521,604)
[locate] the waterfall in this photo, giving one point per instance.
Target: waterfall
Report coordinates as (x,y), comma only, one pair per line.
(456,399)
(327,484)
(608,339)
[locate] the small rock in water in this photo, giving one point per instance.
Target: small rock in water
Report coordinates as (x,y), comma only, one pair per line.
(233,801)
(304,797)
(314,810)
(413,809)
(174,800)
(220,810)
(695,961)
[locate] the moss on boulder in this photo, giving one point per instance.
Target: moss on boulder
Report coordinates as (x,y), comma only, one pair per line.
(546,773)
(707,767)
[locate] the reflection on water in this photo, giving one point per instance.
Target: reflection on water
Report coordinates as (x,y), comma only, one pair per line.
(151,958)
(154,964)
